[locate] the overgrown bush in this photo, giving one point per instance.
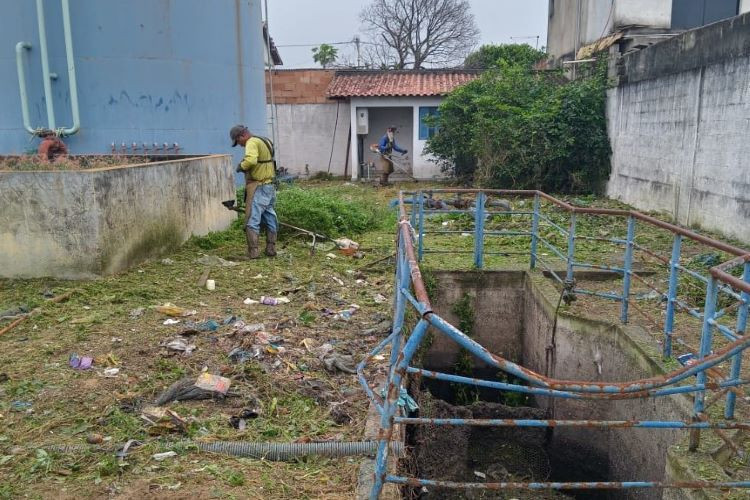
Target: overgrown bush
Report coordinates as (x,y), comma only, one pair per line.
(324,212)
(513,128)
(495,56)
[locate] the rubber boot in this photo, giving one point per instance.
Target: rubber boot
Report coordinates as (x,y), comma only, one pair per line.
(252,243)
(271,243)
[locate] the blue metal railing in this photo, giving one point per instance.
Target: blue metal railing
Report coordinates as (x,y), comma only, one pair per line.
(410,291)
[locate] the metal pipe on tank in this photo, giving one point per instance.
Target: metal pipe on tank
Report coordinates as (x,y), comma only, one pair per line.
(45,65)
(20,48)
(71,70)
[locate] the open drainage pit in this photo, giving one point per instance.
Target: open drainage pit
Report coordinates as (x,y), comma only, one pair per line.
(511,313)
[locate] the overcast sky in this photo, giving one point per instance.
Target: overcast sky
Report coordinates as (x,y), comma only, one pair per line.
(313,22)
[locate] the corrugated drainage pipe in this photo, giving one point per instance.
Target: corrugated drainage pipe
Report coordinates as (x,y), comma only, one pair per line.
(267,451)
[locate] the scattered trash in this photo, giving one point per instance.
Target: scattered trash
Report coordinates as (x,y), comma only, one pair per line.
(80,363)
(652,295)
(378,357)
(210,285)
(687,359)
(239,422)
(465,235)
(339,362)
(239,355)
(163,421)
(344,243)
(20,405)
(251,328)
(163,456)
(111,372)
(183,390)
(116,340)
(707,259)
(404,400)
(249,302)
(346,314)
(380,298)
(138,312)
(258,277)
(330,256)
(196,328)
(167,262)
(213,383)
(180,345)
(14,312)
(122,453)
(94,438)
(358,255)
(229,320)
(213,260)
(169,309)
(274,301)
(171,321)
(481,475)
(107,360)
(48,293)
(382,328)
(338,280)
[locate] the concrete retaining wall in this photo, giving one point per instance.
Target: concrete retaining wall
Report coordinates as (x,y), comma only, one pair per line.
(89,223)
(678,124)
(514,313)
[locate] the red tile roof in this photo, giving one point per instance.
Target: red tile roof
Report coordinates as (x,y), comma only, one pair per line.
(398,83)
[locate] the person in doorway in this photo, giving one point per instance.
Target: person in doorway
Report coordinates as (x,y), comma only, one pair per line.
(51,147)
(258,165)
(386,147)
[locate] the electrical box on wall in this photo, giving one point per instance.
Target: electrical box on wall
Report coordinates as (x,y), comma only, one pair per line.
(363,121)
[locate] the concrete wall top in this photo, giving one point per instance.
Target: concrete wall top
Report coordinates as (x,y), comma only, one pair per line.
(696,48)
(299,86)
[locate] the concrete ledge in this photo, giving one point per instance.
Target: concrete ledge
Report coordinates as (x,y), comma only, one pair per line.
(90,223)
(693,49)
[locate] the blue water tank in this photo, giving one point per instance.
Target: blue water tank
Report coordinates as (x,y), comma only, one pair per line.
(148,71)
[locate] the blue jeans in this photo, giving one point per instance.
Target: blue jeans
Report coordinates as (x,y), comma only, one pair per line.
(262,211)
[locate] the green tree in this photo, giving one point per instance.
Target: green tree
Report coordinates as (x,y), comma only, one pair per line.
(517,129)
(494,56)
(325,55)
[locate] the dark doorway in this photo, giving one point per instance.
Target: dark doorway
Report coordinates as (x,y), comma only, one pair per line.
(688,14)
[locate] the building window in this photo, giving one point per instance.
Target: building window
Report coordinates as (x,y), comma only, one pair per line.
(425,130)
(688,14)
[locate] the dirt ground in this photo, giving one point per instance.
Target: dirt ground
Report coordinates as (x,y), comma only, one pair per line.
(46,403)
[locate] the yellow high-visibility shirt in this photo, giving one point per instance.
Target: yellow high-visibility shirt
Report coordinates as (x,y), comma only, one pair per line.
(257,162)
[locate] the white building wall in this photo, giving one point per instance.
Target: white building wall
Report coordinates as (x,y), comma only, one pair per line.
(423,168)
(309,136)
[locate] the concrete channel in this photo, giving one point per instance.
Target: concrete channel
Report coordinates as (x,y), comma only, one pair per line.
(511,313)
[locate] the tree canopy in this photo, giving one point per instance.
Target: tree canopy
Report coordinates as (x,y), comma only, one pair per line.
(518,129)
(325,55)
(418,33)
(494,56)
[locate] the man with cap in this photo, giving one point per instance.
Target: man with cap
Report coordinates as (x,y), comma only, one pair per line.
(260,193)
(386,147)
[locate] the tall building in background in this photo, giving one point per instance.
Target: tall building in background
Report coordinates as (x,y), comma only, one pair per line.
(578,28)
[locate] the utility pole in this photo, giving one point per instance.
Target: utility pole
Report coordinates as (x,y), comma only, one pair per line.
(359,58)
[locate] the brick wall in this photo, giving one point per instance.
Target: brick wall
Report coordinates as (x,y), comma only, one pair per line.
(299,86)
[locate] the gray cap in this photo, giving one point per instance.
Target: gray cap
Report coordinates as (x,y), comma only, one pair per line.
(236,132)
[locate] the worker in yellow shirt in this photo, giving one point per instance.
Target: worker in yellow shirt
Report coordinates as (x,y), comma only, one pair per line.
(260,193)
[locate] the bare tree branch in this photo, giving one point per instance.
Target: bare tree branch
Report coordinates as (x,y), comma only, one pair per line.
(420,33)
